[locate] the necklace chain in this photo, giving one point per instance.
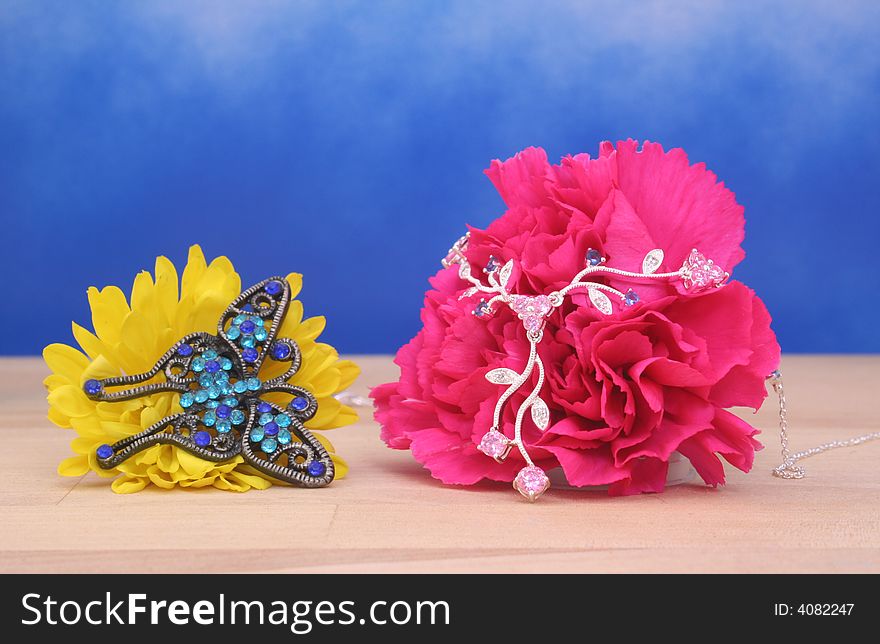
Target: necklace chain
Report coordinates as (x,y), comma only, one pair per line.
(789,468)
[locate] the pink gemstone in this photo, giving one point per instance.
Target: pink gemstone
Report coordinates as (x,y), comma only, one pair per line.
(701,272)
(494,444)
(532,322)
(531,482)
(531,310)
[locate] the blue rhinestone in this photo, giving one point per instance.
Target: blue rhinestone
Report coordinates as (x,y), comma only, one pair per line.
(257,321)
(223,426)
(212,366)
(186,400)
(202,438)
(266,418)
(284,436)
(230,401)
(630,298)
(210,354)
(260,334)
(254,384)
(184,350)
(213,393)
(225,388)
(247,327)
(594,257)
(300,403)
(270,428)
(209,419)
(223,411)
(233,332)
(273,287)
(316,468)
(104,451)
(198,364)
(221,376)
(269,445)
(226,364)
(212,404)
(257,434)
(239,319)
(248,341)
(93,387)
(281,351)
(283,420)
(237,417)
(482,309)
(264,407)
(206,380)
(201,396)
(249,355)
(240,386)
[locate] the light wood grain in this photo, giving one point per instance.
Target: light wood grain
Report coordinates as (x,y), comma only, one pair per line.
(389,515)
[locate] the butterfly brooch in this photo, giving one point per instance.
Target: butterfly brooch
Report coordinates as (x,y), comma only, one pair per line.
(218,379)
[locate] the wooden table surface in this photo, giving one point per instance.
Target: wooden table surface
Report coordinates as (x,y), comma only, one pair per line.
(390,515)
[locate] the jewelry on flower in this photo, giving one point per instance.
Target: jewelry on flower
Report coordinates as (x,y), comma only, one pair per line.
(218,379)
(696,273)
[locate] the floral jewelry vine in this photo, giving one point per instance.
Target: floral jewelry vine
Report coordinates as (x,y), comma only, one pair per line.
(696,273)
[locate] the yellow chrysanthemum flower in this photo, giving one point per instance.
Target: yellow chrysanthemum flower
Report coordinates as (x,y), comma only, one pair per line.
(130,337)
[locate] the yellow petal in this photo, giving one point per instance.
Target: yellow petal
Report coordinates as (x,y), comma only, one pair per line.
(71,401)
(90,342)
(128,484)
(160,478)
(325,383)
(202,482)
(193,465)
(166,288)
(58,418)
(331,413)
(296,281)
(192,274)
(109,309)
(139,337)
(66,361)
(115,431)
(88,425)
(222,264)
(292,320)
(74,466)
(167,460)
(221,483)
(340,465)
(143,300)
(310,329)
(252,480)
(54,381)
(206,312)
(100,368)
(348,373)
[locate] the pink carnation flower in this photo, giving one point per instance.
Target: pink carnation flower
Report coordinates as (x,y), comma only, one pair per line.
(625,391)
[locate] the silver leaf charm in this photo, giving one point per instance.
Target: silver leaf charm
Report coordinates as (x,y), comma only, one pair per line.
(540,414)
(464,270)
(502,376)
(504,273)
(652,261)
(468,292)
(601,301)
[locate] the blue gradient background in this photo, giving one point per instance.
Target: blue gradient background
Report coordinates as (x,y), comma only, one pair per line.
(347,141)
